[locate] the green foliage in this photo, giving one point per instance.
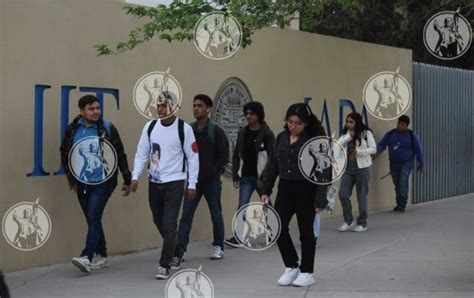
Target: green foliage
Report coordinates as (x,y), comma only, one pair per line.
(396,23)
(176,22)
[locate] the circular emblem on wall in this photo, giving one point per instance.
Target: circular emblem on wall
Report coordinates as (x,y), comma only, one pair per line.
(228,113)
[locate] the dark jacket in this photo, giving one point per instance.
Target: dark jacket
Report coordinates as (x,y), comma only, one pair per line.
(113,138)
(213,155)
(283,162)
(265,137)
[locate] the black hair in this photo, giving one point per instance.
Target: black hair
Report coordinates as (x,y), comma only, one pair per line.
(87,100)
(359,126)
(156,148)
(313,126)
(404,119)
(204,98)
(257,108)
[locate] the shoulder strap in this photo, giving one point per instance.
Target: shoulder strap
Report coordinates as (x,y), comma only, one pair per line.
(211,131)
(150,129)
(181,139)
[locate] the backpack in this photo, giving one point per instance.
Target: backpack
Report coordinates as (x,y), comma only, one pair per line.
(181,138)
(412,137)
(211,131)
(364,134)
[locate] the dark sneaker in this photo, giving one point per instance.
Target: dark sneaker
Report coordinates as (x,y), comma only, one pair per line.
(232,242)
(175,263)
(399,209)
(163,273)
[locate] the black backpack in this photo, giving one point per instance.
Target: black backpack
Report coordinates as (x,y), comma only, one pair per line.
(181,138)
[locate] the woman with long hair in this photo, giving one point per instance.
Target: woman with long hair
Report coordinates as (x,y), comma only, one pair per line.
(295,193)
(359,142)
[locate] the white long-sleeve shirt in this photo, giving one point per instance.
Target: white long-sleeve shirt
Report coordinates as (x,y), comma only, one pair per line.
(164,153)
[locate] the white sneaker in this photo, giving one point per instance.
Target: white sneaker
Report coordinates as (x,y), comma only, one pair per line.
(217,253)
(304,280)
(82,263)
(344,227)
(288,276)
(360,228)
(99,262)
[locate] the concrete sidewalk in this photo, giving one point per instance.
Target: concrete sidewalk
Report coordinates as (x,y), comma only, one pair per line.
(426,252)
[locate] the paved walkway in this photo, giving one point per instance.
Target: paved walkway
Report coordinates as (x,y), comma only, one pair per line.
(426,252)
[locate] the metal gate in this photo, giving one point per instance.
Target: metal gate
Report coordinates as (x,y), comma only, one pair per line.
(443,117)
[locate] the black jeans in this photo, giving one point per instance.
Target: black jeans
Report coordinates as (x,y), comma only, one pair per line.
(297,196)
(165,201)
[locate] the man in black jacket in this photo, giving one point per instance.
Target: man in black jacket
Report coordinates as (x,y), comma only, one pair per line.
(84,147)
(213,157)
(253,146)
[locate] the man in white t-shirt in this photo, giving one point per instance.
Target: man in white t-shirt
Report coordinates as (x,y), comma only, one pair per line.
(178,161)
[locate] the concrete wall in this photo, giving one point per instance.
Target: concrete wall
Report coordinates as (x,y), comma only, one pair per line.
(50,42)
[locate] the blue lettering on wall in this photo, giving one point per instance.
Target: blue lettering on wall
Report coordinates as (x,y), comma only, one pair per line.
(38,133)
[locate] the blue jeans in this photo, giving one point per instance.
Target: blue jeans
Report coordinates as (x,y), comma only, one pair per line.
(400,172)
(212,193)
(93,199)
(247,186)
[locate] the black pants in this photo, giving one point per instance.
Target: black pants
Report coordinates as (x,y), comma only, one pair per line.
(3,288)
(297,196)
(165,201)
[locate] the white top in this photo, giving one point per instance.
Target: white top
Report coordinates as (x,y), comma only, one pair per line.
(364,150)
(164,154)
